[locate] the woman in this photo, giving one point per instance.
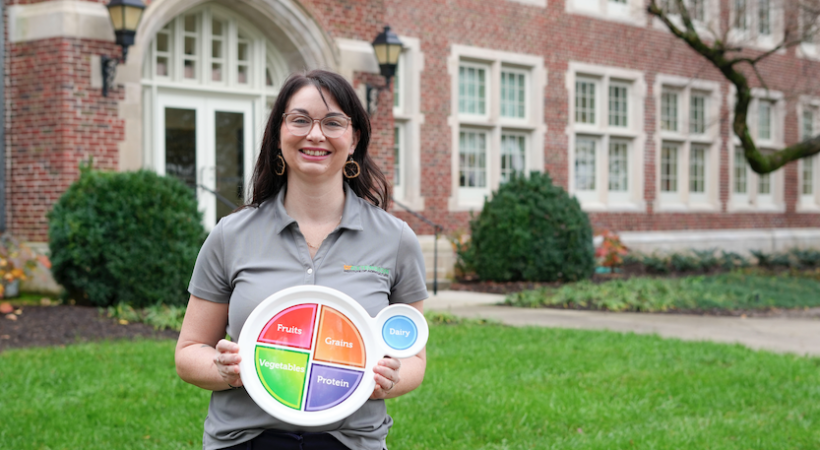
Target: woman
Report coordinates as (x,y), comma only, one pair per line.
(317,207)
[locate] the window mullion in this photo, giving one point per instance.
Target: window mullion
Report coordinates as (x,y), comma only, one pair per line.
(205,47)
(494,159)
(231,65)
(178,56)
(494,93)
(602,169)
(684,161)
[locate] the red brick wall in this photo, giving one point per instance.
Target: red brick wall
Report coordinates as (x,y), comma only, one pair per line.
(55,121)
(560,38)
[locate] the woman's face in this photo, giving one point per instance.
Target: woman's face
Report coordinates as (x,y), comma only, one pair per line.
(315,157)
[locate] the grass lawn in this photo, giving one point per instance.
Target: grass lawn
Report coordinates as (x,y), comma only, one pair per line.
(748,289)
(487,387)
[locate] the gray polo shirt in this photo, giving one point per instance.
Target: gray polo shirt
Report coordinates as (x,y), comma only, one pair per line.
(256,252)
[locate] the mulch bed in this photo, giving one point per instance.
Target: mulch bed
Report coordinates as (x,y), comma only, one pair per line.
(65,324)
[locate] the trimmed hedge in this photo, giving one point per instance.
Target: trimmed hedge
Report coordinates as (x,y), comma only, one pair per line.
(531,230)
(125,237)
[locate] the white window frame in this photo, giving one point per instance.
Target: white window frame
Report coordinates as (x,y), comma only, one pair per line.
(751,36)
(488,100)
(601,199)
(709,26)
(684,200)
(407,115)
(532,126)
(752,200)
(263,56)
(808,203)
(809,49)
(630,12)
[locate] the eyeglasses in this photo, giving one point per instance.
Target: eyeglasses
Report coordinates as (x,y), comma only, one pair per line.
(331,126)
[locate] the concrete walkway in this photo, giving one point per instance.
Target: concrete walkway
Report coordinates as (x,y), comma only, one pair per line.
(785,335)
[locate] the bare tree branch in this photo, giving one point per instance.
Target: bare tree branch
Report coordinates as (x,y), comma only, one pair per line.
(716,54)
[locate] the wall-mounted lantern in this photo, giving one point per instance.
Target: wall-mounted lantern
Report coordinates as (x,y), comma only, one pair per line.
(388,49)
(125,16)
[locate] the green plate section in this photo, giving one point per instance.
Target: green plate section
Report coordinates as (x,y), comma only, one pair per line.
(283,373)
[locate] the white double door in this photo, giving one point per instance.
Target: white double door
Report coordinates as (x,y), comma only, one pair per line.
(208,142)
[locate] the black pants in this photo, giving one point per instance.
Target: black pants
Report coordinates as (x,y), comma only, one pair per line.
(280,440)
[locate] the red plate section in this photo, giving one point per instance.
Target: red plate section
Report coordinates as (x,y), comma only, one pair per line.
(293,327)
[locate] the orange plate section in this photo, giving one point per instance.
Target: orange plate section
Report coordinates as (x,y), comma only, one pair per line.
(338,340)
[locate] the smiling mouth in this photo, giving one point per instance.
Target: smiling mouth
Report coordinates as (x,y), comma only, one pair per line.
(315,152)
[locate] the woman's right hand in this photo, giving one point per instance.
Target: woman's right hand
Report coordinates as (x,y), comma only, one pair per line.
(227,361)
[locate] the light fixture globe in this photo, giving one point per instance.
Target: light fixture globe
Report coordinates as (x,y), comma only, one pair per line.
(388,48)
(125,16)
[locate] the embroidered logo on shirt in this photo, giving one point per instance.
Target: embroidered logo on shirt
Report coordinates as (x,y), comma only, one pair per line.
(373,269)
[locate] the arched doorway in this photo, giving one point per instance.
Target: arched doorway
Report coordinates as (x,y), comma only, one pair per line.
(209,78)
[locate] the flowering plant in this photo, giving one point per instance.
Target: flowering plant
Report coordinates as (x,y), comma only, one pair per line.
(17,261)
(611,250)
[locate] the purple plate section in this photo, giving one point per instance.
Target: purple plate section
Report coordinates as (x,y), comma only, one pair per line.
(330,386)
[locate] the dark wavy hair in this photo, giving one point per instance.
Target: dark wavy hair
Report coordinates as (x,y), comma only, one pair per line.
(370,184)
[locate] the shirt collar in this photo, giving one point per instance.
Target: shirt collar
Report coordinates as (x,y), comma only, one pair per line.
(351,215)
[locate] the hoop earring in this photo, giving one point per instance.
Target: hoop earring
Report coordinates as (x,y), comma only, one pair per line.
(284,166)
(358,169)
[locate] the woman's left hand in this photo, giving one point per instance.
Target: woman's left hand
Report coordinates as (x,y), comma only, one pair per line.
(387,377)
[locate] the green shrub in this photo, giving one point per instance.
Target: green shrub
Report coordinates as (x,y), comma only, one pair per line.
(655,264)
(531,230)
(684,263)
(129,237)
(732,260)
(807,258)
(706,259)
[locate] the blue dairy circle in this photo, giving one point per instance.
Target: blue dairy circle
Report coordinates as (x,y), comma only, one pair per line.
(399,332)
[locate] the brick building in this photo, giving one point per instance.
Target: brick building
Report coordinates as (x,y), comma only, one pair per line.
(604,98)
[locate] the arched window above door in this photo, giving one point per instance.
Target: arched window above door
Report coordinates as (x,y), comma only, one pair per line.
(210,47)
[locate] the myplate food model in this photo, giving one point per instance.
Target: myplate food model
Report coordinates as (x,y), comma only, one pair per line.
(308,352)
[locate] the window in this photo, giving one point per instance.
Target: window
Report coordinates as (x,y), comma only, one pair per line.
(809,185)
(498,121)
(606,170)
(585,101)
(628,11)
(669,168)
(688,144)
(513,94)
(750,190)
(697,114)
(809,29)
(513,155)
(209,46)
(669,111)
(764,126)
(703,14)
(697,169)
(617,106)
(740,171)
(407,120)
(697,10)
(472,85)
(398,155)
(764,18)
(741,21)
(472,153)
(585,163)
(618,166)
(755,23)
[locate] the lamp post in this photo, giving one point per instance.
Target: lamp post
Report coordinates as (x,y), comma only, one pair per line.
(125,17)
(388,48)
